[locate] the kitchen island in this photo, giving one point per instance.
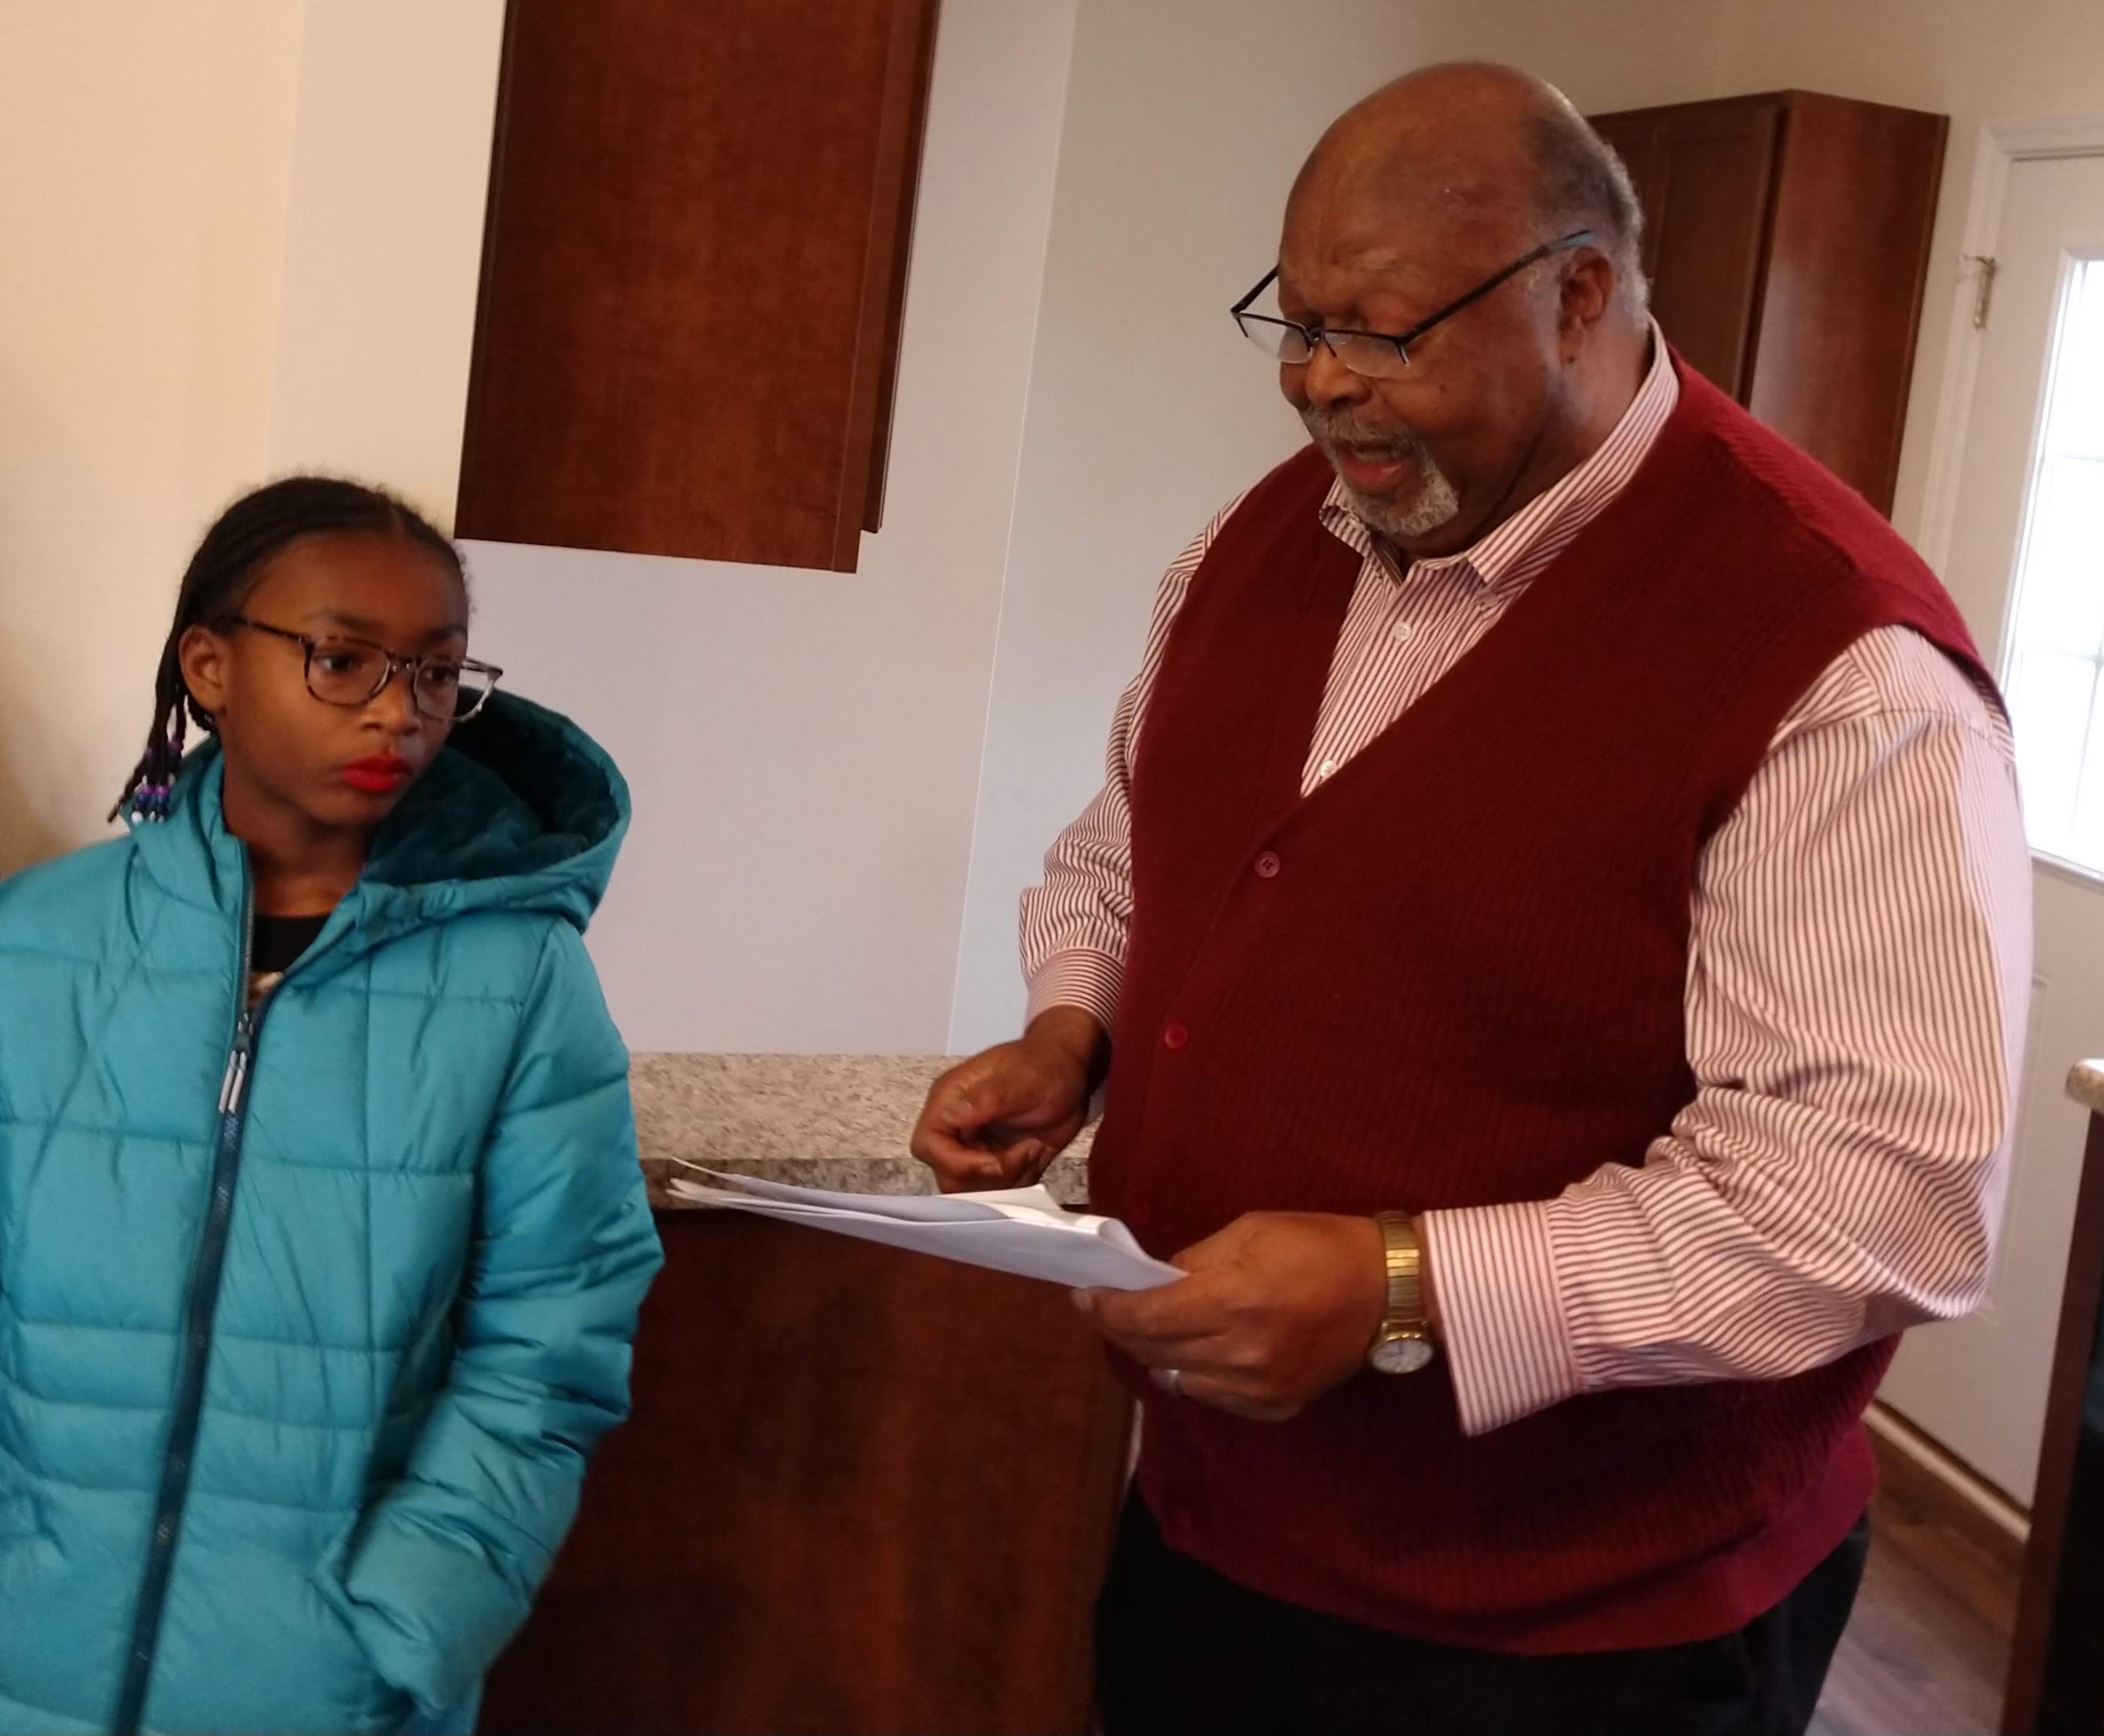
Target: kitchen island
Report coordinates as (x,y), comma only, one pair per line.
(863,1490)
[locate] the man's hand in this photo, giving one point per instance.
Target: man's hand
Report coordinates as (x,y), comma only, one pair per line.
(1279,1307)
(998,1120)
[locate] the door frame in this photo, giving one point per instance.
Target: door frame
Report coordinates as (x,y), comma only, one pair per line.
(2001,143)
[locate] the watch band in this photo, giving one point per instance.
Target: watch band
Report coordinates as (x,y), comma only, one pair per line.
(1405,1310)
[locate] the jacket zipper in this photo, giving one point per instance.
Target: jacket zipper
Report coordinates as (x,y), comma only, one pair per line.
(194,1353)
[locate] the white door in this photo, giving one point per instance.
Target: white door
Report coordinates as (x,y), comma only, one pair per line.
(2026,564)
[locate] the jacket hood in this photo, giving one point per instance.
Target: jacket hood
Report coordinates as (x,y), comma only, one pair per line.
(521,810)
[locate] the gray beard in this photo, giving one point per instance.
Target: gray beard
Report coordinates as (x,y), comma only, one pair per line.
(1435,503)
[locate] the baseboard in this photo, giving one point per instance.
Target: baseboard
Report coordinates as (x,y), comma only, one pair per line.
(1924,1472)
(1940,1510)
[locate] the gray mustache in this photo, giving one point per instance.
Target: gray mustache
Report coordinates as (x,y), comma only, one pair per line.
(1345,429)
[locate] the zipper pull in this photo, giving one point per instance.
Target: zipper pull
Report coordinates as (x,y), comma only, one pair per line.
(232,1087)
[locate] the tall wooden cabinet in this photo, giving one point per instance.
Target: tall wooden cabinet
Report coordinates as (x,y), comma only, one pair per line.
(1786,237)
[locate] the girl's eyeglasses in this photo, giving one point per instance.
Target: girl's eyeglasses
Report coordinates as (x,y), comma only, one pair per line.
(354,672)
(1373,355)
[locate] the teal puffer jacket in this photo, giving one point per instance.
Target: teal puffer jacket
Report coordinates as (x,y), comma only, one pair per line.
(305,1332)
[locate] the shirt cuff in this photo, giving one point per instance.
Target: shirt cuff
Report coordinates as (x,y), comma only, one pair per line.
(1501,1320)
(1078,978)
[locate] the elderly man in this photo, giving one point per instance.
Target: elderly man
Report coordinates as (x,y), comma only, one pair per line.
(1556,931)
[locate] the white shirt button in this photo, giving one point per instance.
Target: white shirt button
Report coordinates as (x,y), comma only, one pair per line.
(1403,632)
(1326,768)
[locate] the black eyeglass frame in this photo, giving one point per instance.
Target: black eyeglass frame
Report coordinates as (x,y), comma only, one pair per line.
(396,663)
(1314,334)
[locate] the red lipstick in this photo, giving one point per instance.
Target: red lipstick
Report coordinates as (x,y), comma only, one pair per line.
(382,774)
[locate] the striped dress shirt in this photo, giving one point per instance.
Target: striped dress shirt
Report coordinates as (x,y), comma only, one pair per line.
(1857,979)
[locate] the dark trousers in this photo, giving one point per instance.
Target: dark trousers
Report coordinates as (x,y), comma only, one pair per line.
(1181,1651)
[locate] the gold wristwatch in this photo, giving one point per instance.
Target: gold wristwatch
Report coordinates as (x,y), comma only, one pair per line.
(1403,1344)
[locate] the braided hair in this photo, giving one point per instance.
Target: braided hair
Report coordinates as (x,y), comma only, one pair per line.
(224,571)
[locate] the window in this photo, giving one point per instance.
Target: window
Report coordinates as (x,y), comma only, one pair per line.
(2056,644)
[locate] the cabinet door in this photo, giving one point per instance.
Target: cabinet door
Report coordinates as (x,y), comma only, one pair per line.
(1704,174)
(861,1490)
(692,274)
(1847,255)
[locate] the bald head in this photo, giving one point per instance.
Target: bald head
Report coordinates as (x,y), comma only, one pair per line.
(1471,159)
(1455,360)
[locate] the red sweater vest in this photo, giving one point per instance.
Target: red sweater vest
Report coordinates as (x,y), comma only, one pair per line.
(1461,983)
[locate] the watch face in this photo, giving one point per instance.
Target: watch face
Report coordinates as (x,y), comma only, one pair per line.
(1400,1356)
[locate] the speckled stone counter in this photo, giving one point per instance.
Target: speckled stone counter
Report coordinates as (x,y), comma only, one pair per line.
(2085,1084)
(838,1121)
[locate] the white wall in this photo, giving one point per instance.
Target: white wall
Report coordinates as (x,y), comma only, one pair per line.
(243,237)
(1187,121)
(383,245)
(805,747)
(146,150)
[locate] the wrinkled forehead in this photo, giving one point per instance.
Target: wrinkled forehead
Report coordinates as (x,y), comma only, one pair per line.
(1409,234)
(1412,180)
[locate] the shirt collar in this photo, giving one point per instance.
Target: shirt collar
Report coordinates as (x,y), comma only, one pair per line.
(1501,556)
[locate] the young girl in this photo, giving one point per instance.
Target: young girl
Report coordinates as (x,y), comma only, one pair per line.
(321,1234)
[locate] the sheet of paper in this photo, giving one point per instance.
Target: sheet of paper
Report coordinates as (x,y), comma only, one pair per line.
(1023,1231)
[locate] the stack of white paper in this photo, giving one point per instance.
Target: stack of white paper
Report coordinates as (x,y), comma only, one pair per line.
(1020,1230)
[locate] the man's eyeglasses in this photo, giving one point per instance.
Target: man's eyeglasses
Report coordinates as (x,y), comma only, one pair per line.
(1374,355)
(354,672)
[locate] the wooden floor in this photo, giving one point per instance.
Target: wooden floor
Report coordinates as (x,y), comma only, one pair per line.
(1926,1649)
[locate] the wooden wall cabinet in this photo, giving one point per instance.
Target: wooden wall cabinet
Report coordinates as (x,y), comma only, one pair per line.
(1786,237)
(694,271)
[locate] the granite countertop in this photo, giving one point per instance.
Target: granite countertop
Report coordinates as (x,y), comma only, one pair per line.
(2085,1084)
(839,1121)
(843,1121)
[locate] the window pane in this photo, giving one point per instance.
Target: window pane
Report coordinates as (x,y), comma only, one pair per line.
(2058,629)
(2063,576)
(2049,704)
(2075,422)
(2085,839)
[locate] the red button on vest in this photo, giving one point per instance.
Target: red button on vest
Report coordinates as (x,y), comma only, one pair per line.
(1268,865)
(1175,1035)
